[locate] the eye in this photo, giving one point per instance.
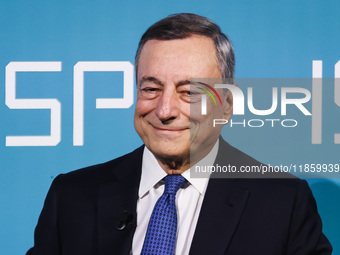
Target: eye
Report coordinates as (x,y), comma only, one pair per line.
(149,92)
(190,95)
(150,89)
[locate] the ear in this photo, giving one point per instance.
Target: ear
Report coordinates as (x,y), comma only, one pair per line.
(228,111)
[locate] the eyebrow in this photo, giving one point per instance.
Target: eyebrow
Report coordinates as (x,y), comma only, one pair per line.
(150,79)
(159,82)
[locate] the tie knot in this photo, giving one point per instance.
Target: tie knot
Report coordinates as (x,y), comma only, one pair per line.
(173,183)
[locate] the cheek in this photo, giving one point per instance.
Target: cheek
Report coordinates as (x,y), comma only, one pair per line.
(213,112)
(143,107)
(200,123)
(195,111)
(203,124)
(186,109)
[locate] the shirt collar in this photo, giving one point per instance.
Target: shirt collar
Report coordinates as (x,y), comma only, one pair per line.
(152,172)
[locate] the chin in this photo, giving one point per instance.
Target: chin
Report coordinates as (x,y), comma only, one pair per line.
(169,149)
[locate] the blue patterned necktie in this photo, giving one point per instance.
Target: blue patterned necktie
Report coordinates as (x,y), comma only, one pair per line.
(160,237)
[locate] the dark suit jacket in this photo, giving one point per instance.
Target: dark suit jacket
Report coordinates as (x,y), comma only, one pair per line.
(83,215)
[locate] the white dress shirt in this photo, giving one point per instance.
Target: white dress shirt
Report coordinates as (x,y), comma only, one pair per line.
(188,201)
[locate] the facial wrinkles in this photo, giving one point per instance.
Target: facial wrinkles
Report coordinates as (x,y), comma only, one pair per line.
(170,69)
(166,126)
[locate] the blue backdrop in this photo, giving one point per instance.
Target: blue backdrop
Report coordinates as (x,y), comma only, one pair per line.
(272,39)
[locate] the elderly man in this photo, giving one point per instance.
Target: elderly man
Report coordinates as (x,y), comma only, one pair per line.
(146,202)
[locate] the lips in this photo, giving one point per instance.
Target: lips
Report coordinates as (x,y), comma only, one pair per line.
(169,129)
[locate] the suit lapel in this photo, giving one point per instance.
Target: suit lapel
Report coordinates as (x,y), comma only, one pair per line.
(118,194)
(222,208)
(221,211)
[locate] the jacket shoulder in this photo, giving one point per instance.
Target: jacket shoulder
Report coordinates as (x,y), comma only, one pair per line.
(99,174)
(247,167)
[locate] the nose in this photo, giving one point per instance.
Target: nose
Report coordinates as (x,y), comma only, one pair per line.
(168,106)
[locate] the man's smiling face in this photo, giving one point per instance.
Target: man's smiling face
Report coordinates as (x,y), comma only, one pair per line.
(162,116)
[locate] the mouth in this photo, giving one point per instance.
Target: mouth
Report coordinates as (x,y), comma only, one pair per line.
(168,129)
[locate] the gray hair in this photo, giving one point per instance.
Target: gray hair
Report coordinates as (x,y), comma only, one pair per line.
(183,25)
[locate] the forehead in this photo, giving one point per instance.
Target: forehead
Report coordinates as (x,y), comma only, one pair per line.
(191,57)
